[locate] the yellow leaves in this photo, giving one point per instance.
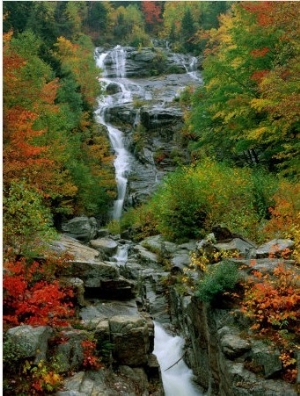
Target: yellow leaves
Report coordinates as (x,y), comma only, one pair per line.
(258,134)
(260,104)
(64,48)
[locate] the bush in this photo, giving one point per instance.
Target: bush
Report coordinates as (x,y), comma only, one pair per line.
(218,279)
(192,199)
(26,220)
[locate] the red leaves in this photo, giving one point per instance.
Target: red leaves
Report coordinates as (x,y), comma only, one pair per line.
(29,299)
(152,12)
(91,361)
(263,11)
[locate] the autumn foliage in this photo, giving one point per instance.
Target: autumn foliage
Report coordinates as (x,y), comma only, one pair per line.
(272,301)
(31,295)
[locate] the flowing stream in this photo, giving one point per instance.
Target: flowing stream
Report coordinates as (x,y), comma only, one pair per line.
(176,376)
(123,158)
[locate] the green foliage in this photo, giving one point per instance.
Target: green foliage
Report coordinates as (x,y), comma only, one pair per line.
(114,227)
(27,220)
(246,109)
(141,220)
(129,26)
(192,199)
(158,63)
(218,279)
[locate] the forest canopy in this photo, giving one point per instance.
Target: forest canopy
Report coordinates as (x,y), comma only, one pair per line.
(246,113)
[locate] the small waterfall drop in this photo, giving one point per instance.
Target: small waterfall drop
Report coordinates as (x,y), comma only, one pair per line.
(122,254)
(123,159)
(176,376)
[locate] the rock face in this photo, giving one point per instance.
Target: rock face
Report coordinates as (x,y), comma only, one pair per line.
(144,90)
(130,336)
(217,353)
(116,313)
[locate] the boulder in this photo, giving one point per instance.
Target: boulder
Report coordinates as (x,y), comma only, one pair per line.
(245,248)
(152,118)
(274,248)
(106,246)
(267,357)
(69,353)
(158,243)
(73,247)
(29,341)
(82,228)
(119,289)
(130,336)
(232,344)
(92,273)
(145,255)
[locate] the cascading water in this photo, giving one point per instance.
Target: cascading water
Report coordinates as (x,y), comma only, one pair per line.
(123,158)
(176,376)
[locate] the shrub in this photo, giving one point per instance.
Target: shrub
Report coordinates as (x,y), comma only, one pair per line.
(218,279)
(26,219)
(272,302)
(31,296)
(192,199)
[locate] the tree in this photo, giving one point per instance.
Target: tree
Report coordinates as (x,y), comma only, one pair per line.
(234,113)
(152,12)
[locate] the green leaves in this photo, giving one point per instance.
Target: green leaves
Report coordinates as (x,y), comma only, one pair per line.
(191,200)
(26,219)
(218,279)
(249,100)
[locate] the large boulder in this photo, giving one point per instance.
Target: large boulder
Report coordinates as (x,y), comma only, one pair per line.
(130,336)
(29,341)
(275,248)
(107,246)
(79,252)
(92,273)
(82,228)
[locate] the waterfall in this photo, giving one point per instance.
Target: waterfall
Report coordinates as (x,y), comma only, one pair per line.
(176,376)
(122,254)
(118,56)
(123,159)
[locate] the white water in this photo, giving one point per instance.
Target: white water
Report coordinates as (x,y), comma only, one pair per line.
(177,379)
(122,254)
(127,90)
(122,162)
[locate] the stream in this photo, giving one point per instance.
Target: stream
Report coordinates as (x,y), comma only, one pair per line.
(176,376)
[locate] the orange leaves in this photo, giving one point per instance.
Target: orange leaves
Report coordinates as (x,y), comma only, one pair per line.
(273,301)
(260,52)
(262,10)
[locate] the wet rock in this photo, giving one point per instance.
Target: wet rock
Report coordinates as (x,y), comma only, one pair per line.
(106,246)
